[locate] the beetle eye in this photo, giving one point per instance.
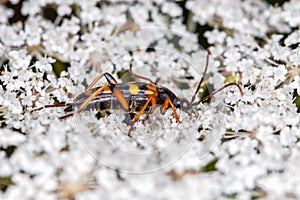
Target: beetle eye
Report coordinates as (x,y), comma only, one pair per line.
(178,104)
(184,105)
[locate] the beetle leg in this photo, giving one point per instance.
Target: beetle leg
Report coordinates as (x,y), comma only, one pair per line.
(102,113)
(52,106)
(153,103)
(110,80)
(90,98)
(129,118)
(133,75)
(118,94)
(165,107)
(136,118)
(66,116)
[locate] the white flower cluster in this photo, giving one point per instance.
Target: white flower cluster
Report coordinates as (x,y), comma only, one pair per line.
(237,146)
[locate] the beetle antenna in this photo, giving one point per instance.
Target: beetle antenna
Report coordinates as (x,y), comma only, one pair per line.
(202,79)
(52,106)
(66,116)
(215,92)
(133,75)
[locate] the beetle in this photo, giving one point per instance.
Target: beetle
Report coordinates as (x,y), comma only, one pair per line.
(136,98)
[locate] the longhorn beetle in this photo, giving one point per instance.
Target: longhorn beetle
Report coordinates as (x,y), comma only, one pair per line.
(135,98)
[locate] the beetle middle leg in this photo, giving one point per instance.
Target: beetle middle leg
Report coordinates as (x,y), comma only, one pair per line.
(102,113)
(129,117)
(136,118)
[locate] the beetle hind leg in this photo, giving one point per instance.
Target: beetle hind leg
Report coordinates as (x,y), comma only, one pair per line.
(102,113)
(109,78)
(129,117)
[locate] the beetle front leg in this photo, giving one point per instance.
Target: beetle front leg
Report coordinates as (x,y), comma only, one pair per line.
(166,106)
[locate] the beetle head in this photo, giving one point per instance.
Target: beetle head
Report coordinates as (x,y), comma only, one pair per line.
(185,105)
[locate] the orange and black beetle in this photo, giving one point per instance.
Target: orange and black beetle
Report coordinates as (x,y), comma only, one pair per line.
(135,98)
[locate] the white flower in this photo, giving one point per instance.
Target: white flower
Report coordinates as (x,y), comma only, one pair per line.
(232,97)
(27,99)
(280,94)
(274,180)
(279,52)
(56,40)
(296,84)
(287,137)
(232,55)
(33,31)
(30,7)
(5,14)
(291,12)
(232,15)
(71,26)
(13,104)
(19,59)
(5,166)
(171,9)
(280,73)
(44,64)
(11,138)
(10,36)
(295,57)
(64,9)
(90,14)
(139,14)
(292,38)
(188,44)
(215,36)
(39,85)
(218,80)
